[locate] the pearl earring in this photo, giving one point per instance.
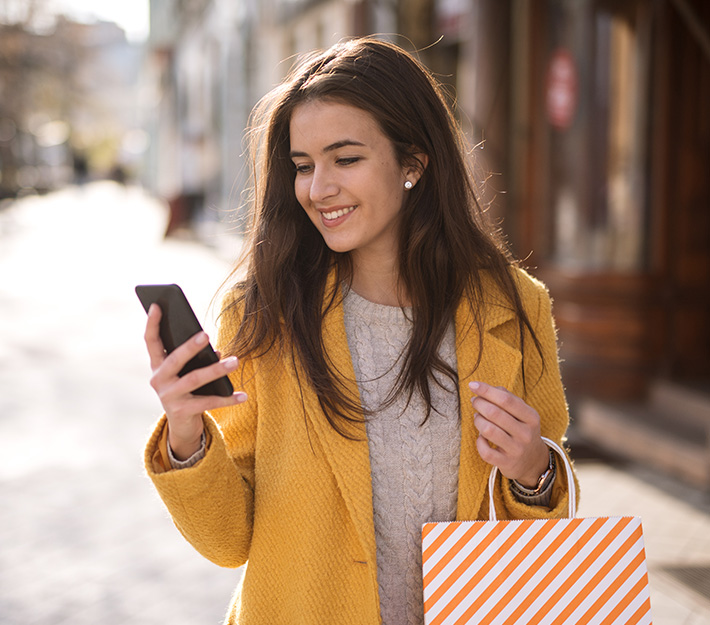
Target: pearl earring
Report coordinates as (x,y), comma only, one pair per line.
(408,185)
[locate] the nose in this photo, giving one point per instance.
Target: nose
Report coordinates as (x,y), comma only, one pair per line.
(323,185)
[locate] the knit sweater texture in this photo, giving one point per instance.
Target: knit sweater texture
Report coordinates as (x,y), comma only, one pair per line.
(282,492)
(414,461)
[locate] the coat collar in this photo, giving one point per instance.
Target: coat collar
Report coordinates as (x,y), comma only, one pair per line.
(350,460)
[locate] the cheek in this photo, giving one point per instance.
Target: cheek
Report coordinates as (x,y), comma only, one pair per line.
(302,190)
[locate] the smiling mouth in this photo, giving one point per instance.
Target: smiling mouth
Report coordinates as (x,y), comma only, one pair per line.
(338,213)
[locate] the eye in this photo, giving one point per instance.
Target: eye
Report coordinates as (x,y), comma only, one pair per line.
(303,168)
(348,160)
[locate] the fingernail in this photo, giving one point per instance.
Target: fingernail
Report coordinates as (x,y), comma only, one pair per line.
(241,397)
(231,362)
(201,338)
(473,386)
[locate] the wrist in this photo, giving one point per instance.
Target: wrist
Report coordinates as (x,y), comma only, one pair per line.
(183,447)
(176,463)
(540,483)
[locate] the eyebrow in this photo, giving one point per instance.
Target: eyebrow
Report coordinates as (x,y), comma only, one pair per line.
(329,148)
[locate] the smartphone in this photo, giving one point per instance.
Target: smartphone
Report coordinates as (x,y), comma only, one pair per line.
(177,325)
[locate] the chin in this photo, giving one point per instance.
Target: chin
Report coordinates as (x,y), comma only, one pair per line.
(340,247)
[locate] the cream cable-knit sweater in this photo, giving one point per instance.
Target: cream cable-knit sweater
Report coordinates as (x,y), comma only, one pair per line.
(414,465)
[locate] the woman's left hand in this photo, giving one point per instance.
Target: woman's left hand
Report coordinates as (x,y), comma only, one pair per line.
(509,434)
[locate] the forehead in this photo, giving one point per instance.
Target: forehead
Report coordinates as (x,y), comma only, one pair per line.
(320,123)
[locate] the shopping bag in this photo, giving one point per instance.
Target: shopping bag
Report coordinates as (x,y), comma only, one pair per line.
(569,571)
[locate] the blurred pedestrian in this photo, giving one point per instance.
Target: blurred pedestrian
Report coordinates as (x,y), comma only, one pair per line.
(81,168)
(390,351)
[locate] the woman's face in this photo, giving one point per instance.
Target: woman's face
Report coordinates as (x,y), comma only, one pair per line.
(348,178)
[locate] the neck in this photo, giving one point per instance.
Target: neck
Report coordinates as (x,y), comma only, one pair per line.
(377,280)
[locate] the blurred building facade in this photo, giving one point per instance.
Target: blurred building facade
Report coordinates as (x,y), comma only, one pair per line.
(602,135)
(592,121)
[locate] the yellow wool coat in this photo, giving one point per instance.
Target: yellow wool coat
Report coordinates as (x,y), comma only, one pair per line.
(280,491)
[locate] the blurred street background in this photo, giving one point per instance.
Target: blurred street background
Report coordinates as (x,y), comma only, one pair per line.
(84,539)
(121,162)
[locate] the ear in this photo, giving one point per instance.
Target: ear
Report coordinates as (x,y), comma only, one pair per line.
(415,169)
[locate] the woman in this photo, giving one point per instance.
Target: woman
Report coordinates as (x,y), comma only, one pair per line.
(389,352)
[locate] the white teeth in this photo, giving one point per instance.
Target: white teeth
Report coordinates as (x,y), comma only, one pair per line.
(339,213)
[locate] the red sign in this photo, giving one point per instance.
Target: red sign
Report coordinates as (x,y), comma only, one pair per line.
(561,89)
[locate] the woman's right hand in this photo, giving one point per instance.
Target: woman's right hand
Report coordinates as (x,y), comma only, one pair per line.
(182,408)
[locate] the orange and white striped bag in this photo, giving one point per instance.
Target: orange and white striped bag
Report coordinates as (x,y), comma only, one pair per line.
(570,571)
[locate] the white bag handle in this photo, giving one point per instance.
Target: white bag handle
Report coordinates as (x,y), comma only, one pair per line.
(572,507)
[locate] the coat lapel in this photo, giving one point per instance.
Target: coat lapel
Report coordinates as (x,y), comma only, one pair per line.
(499,365)
(349,459)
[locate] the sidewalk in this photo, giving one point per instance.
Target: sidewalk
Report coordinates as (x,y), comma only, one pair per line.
(84,538)
(676,524)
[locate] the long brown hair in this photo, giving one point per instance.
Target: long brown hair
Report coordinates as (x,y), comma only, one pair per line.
(445,240)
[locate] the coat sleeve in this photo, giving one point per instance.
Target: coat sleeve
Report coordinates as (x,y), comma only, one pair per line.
(212,502)
(544,392)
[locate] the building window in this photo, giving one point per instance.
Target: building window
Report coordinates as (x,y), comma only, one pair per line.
(597,107)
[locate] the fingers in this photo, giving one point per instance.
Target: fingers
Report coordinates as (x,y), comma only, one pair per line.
(505,401)
(166,379)
(509,430)
(199,377)
(156,351)
(166,368)
(167,365)
(182,407)
(174,362)
(503,418)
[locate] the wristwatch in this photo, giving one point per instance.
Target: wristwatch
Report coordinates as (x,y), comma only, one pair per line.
(543,481)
